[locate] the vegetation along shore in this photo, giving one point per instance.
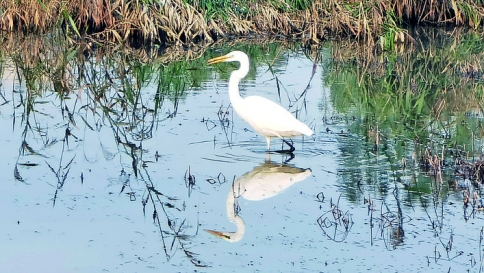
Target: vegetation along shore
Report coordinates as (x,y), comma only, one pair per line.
(198,21)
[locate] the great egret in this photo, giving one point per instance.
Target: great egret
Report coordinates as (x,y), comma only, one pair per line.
(268,118)
(264,181)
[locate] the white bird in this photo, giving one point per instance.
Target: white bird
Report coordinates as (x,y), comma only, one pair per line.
(264,181)
(268,118)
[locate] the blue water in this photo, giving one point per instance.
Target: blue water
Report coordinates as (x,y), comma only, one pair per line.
(103,218)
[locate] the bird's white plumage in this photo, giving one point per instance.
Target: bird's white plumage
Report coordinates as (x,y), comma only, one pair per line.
(265,115)
(268,118)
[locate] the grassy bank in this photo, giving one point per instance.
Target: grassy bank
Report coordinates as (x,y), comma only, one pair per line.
(194,21)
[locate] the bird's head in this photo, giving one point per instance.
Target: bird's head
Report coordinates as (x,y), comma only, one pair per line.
(227,236)
(234,56)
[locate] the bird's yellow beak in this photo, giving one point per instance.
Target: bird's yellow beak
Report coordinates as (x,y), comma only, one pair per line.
(218,59)
(217,233)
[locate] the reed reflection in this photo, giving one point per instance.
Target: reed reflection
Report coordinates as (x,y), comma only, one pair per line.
(264,181)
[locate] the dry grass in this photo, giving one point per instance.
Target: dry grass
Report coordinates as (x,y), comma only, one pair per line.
(460,13)
(176,22)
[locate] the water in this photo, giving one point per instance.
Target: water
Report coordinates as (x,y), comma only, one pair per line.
(79,205)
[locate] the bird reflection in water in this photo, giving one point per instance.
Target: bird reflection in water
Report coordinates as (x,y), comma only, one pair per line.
(264,181)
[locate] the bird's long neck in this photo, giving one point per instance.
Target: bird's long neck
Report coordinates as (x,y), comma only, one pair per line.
(234,217)
(235,78)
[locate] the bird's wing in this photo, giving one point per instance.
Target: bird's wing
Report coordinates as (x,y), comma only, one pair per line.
(264,114)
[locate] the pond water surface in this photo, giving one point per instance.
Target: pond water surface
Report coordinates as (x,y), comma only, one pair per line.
(110,196)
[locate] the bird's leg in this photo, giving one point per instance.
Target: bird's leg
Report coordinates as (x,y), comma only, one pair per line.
(291,157)
(291,149)
(282,151)
(268,139)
